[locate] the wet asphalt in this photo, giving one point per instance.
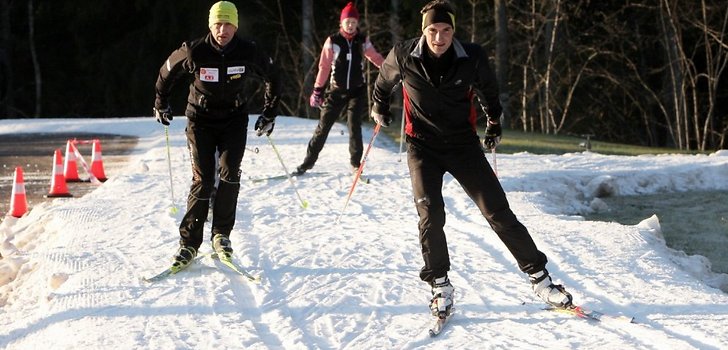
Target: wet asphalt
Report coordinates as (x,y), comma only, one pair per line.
(34,153)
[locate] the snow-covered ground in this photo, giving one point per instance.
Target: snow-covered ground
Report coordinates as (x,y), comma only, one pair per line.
(72,268)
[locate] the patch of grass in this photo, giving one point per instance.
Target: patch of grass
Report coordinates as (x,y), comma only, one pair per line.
(518,141)
(514,141)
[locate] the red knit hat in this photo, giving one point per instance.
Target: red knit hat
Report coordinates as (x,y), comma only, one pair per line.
(349,11)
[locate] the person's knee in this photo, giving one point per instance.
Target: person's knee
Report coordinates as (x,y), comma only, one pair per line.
(432,215)
(231,177)
(202,189)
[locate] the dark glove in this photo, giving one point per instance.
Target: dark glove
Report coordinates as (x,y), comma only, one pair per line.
(382,119)
(163,115)
(264,125)
(492,136)
(317,97)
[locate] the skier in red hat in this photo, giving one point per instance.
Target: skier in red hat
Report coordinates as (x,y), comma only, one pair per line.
(341,66)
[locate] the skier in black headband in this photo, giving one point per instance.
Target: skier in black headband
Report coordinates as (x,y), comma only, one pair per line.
(441,77)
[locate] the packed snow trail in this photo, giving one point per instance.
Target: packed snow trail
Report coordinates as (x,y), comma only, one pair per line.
(73,268)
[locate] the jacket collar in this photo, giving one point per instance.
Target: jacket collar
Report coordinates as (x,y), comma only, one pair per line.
(348,36)
(231,45)
(418,51)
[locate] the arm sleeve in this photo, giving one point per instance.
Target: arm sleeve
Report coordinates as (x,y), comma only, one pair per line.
(389,76)
(486,88)
(324,65)
(171,70)
(371,53)
(271,75)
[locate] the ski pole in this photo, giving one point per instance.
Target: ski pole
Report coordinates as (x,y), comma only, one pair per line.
(304,204)
(401,135)
(495,164)
(358,172)
(173,209)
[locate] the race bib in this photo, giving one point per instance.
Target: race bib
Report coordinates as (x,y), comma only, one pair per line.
(210,74)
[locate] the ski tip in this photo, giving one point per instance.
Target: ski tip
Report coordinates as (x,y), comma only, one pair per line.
(150,279)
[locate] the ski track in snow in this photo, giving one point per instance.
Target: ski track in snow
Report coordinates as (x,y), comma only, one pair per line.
(354,285)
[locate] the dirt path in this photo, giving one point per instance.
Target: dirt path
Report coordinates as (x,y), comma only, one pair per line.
(34,153)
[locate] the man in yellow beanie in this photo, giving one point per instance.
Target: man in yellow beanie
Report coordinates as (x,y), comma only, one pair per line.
(223,21)
(217,121)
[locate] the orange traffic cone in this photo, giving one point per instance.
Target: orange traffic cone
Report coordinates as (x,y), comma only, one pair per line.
(58,182)
(18,201)
(70,168)
(97,165)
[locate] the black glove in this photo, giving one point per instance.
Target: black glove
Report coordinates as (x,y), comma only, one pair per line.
(492,135)
(264,125)
(163,115)
(382,119)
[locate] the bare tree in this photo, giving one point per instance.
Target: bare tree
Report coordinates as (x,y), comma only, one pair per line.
(676,70)
(6,77)
(551,34)
(36,65)
(695,66)
(501,57)
(716,58)
(473,19)
(394,27)
(307,42)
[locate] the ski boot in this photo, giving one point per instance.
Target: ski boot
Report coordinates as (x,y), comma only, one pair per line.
(183,257)
(300,170)
(553,294)
(442,297)
(222,246)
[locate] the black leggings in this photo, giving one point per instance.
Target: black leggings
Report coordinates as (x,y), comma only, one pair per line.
(204,142)
(355,103)
(468,165)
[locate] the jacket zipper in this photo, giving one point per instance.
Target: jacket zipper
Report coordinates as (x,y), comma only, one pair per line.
(348,70)
(223,80)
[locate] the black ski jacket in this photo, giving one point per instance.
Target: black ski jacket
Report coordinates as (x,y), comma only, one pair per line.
(440,114)
(217,91)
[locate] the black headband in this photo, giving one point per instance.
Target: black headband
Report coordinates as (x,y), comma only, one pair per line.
(437,16)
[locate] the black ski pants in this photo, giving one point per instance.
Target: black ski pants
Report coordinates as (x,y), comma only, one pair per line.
(208,144)
(355,103)
(468,165)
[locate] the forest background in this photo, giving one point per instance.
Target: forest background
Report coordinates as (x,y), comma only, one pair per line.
(644,72)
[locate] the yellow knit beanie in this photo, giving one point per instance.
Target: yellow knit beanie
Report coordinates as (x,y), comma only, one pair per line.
(223,12)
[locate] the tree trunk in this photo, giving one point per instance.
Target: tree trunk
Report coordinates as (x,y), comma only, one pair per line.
(368,71)
(551,32)
(34,57)
(396,35)
(716,58)
(6,70)
(472,20)
(309,59)
(675,73)
(501,58)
